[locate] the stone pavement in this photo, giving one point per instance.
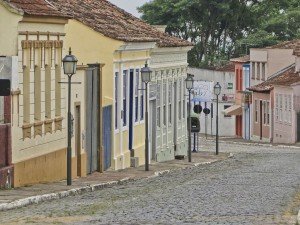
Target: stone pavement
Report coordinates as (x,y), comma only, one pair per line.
(241,141)
(19,197)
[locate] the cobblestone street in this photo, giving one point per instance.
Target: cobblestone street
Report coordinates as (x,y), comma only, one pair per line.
(259,186)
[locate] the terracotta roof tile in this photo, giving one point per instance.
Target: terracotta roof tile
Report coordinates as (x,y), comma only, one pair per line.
(111,21)
(297,49)
(242,59)
(35,7)
(286,44)
(228,67)
(284,78)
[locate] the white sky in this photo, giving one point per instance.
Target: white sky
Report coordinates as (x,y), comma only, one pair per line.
(129,5)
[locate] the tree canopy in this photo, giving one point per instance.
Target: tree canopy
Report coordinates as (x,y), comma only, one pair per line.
(223,29)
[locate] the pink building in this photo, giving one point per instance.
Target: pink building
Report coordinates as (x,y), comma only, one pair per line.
(276,105)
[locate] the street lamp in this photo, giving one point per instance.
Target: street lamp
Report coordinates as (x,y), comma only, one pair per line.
(146,78)
(217,92)
(69,65)
(189,82)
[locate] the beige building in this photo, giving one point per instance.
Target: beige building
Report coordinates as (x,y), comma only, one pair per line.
(267,61)
(108,107)
(275,101)
(33,40)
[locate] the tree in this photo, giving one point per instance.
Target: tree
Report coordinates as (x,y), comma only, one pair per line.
(222,29)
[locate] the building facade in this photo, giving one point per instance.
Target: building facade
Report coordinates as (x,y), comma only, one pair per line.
(38,128)
(242,108)
(226,79)
(108,106)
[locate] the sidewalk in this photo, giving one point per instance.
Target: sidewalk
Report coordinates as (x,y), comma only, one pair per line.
(19,197)
(241,141)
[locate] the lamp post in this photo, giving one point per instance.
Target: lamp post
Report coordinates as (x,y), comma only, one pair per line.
(69,65)
(189,82)
(217,92)
(146,78)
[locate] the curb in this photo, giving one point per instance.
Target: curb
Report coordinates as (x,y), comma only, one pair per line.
(89,188)
(256,144)
(62,194)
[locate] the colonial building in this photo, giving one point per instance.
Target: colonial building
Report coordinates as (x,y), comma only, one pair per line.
(203,95)
(242,107)
(108,106)
(32,46)
(276,106)
(124,43)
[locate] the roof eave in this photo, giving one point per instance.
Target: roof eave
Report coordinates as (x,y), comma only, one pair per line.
(12,8)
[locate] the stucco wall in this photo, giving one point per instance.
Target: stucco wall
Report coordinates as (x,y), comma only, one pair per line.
(9,31)
(28,148)
(226,124)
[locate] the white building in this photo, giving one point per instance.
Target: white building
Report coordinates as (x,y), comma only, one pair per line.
(226,78)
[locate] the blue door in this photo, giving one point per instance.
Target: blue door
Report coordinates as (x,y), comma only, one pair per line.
(106,135)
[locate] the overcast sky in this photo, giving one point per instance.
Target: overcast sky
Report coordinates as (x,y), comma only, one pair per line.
(129,5)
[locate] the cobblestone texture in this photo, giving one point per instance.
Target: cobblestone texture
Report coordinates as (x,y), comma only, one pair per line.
(259,186)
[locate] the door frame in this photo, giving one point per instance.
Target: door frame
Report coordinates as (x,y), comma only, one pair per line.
(131,108)
(175,108)
(77,136)
(152,123)
(260,118)
(298,126)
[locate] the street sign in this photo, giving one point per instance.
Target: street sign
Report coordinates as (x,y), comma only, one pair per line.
(4,87)
(203,91)
(197,109)
(206,111)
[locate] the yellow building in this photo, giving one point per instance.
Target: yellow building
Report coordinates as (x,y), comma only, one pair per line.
(108,108)
(32,39)
(102,33)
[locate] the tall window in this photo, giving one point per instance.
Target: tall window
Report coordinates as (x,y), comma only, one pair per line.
(142,99)
(253,70)
(258,71)
(116,99)
(158,97)
(276,107)
(125,76)
(285,103)
(48,74)
(165,103)
(57,84)
(179,100)
(280,107)
(268,113)
(37,83)
(136,95)
(263,71)
(266,110)
(26,85)
(256,111)
(290,108)
(170,102)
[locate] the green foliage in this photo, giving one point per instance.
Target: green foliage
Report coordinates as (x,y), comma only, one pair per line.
(222,29)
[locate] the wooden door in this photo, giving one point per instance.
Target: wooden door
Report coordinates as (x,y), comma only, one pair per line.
(107,135)
(93,119)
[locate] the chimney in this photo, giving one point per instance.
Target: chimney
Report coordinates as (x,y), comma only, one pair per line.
(161,28)
(297,54)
